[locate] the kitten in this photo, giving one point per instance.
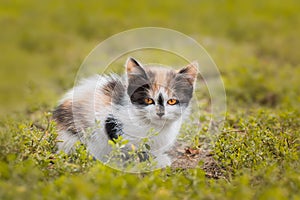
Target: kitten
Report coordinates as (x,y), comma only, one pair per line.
(145,100)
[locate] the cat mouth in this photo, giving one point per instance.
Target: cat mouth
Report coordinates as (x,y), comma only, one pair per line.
(159,120)
(162,118)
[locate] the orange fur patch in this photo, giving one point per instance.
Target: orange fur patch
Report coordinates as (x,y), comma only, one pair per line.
(161,79)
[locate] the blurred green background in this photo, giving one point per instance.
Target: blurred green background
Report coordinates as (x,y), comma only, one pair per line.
(254,44)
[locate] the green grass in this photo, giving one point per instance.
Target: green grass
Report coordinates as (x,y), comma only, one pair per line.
(254,45)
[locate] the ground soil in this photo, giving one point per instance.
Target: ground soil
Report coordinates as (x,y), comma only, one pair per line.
(186,157)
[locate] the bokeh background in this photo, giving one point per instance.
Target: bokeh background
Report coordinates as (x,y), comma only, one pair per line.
(254,44)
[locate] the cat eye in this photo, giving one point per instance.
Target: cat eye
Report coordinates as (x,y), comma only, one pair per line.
(149,101)
(172,101)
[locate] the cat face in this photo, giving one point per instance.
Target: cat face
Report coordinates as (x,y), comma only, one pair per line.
(159,95)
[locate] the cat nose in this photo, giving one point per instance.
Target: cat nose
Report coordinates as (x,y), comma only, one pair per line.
(160,114)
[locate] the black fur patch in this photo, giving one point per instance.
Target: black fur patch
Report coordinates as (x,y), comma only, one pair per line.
(143,156)
(134,61)
(113,127)
(63,115)
(183,89)
(139,94)
(183,71)
(115,90)
(160,100)
(138,87)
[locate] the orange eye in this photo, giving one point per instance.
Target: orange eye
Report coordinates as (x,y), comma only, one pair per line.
(149,101)
(172,101)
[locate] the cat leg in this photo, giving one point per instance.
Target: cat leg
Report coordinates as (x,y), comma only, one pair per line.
(66,141)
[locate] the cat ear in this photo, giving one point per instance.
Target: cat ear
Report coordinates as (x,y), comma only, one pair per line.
(190,72)
(133,67)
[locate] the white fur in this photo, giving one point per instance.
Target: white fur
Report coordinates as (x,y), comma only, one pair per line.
(136,124)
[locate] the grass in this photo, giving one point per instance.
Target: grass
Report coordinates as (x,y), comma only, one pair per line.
(253,43)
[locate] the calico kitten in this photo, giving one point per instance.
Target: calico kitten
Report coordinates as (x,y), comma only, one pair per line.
(145,100)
